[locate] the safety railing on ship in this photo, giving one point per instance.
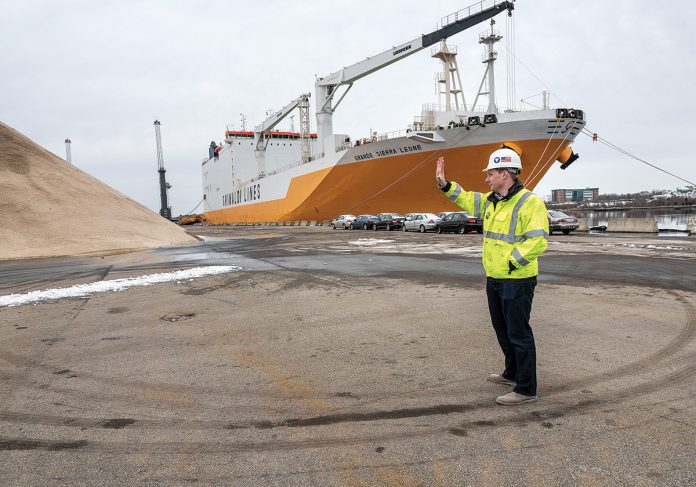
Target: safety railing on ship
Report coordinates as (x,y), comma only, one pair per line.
(378,137)
(526,107)
(435,107)
(438,48)
(392,135)
(467,12)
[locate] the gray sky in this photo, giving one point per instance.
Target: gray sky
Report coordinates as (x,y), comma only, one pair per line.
(101,72)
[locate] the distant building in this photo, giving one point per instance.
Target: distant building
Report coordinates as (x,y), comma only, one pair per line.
(687,192)
(566,195)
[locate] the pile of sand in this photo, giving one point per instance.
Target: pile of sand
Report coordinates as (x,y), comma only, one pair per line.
(50,208)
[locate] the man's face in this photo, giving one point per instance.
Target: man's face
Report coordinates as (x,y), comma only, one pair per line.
(496,180)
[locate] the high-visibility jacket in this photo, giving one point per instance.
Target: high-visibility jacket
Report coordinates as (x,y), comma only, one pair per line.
(515,230)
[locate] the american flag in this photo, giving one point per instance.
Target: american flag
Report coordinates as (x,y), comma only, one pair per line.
(506,159)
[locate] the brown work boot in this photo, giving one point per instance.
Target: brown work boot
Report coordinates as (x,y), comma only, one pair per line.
(499,379)
(513,399)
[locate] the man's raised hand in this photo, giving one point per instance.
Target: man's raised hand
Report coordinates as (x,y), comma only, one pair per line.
(440,171)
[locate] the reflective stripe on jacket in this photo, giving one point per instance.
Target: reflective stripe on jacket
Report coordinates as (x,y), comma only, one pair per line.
(514,230)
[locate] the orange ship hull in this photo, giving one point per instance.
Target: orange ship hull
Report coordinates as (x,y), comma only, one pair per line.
(402,183)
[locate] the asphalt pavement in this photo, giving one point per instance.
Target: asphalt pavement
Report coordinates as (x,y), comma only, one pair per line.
(349,358)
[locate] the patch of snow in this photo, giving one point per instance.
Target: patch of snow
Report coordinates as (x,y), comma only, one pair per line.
(642,246)
(368,242)
(85,290)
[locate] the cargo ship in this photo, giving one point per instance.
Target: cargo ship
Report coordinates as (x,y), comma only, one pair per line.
(266,175)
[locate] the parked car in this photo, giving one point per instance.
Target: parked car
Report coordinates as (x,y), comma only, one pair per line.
(389,221)
(342,221)
(443,214)
(559,221)
(420,221)
(460,222)
(364,222)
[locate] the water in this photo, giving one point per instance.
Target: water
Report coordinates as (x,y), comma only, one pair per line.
(667,218)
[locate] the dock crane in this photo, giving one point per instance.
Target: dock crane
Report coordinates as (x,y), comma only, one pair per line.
(165,210)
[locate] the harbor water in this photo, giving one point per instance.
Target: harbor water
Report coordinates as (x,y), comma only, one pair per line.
(668,219)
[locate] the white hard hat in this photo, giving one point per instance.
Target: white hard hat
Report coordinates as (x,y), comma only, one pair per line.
(504,159)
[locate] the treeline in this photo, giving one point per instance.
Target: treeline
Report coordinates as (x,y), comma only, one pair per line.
(646,198)
(642,199)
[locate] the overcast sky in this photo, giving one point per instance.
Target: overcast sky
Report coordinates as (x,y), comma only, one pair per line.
(101,72)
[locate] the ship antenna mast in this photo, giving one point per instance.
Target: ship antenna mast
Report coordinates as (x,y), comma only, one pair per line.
(449,75)
(165,210)
(511,61)
(489,57)
(305,136)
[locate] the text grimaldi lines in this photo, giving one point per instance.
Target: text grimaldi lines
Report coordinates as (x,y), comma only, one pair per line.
(388,152)
(242,195)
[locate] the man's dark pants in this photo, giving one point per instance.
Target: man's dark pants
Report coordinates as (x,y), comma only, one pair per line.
(510,305)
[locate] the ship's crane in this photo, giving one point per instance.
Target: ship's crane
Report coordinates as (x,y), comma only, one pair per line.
(326,87)
(260,130)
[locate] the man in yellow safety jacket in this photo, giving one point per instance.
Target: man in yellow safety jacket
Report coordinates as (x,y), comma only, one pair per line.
(515,232)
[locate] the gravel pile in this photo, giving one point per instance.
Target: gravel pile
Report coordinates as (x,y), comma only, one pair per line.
(49,208)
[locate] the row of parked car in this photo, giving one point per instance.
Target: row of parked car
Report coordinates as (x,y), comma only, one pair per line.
(449,221)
